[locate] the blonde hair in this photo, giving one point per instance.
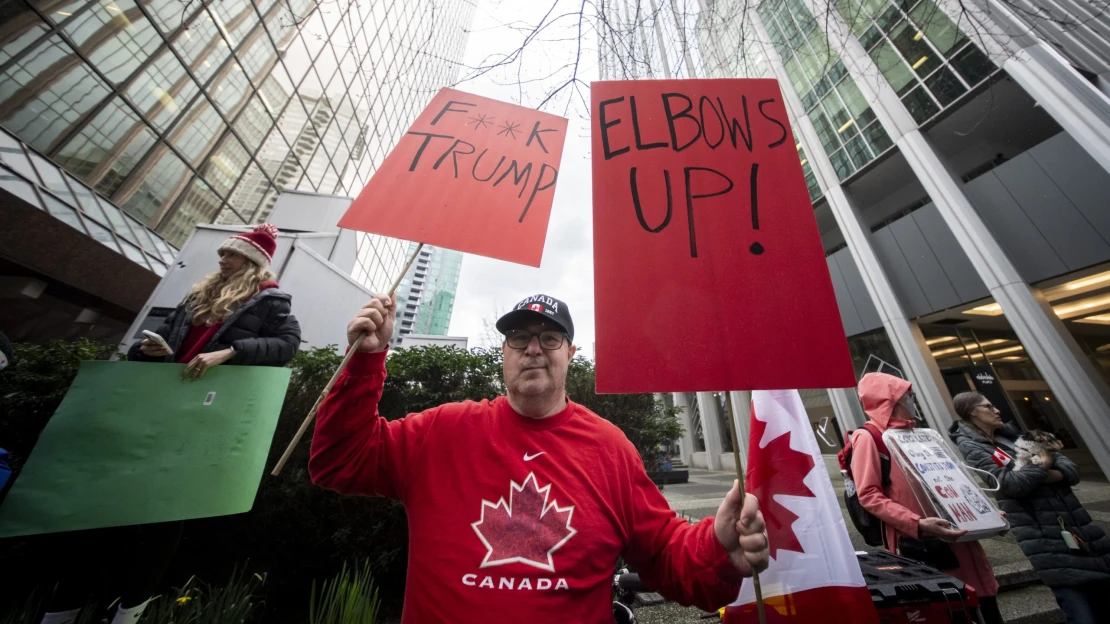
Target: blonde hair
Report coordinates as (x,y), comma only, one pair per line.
(213,299)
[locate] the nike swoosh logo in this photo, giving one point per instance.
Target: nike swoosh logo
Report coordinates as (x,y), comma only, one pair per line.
(528,457)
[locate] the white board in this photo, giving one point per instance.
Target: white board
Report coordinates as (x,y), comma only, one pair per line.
(943,487)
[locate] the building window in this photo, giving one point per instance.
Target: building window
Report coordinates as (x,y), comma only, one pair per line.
(807,170)
(849,130)
(916,47)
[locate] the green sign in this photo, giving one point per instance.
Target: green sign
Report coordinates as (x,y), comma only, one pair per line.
(132,443)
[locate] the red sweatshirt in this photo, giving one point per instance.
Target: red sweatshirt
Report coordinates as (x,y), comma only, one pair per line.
(511,516)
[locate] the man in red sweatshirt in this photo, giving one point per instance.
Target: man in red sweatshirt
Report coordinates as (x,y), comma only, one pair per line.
(519,507)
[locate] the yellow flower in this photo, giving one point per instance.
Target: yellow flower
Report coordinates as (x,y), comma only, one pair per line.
(182,600)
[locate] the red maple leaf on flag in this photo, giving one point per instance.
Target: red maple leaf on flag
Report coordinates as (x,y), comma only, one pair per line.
(525,530)
(772,470)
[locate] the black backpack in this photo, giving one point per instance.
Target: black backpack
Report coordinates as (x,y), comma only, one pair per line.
(866,523)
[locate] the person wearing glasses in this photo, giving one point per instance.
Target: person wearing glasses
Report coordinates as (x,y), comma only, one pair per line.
(520,506)
(1068,551)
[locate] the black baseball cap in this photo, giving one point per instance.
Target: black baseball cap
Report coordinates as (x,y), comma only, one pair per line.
(538,307)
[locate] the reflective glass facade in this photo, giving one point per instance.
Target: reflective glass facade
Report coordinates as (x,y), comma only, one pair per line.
(849,130)
(926,59)
(43,185)
(427,291)
(186,113)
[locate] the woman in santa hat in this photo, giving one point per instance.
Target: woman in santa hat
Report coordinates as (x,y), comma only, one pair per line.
(236,315)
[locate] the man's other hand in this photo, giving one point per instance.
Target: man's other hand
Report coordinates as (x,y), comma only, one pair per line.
(740,529)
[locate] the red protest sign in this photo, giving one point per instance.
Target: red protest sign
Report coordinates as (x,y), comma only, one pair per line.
(471,174)
(709,273)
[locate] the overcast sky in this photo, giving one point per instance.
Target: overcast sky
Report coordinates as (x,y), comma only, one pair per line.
(488,287)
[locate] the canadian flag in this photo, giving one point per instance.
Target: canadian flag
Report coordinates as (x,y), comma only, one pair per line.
(1001,458)
(814,575)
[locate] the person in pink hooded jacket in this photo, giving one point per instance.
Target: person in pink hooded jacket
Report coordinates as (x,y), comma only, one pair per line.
(888,402)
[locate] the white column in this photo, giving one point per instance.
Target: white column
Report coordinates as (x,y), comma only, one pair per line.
(1068,372)
(845,404)
(711,429)
(1077,105)
(904,334)
(741,419)
(661,41)
(680,25)
(682,399)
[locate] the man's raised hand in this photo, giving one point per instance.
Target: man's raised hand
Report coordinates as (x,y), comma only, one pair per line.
(376,320)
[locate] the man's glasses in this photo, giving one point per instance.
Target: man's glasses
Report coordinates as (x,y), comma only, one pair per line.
(989,406)
(521,338)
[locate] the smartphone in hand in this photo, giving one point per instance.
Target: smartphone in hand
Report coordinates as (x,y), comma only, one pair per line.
(158,339)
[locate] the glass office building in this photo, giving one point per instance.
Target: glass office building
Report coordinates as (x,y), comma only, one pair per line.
(958,167)
(131,121)
(428,291)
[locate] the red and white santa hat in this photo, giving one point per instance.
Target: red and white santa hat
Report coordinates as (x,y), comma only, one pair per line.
(257,245)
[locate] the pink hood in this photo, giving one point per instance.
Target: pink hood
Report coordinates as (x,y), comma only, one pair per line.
(879,393)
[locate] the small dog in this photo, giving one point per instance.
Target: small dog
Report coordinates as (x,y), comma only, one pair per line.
(1032,445)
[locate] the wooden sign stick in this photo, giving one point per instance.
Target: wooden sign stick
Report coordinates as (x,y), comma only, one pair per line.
(740,476)
(342,365)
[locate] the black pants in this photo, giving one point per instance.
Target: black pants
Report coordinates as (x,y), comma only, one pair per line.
(1082,604)
(127,563)
(988,611)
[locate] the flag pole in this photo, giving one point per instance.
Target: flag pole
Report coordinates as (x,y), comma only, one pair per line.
(740,476)
(331,382)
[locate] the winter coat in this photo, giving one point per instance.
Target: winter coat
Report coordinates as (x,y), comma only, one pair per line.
(262,331)
(896,504)
(1034,509)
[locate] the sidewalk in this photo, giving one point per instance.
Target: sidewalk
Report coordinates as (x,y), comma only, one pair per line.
(1023,600)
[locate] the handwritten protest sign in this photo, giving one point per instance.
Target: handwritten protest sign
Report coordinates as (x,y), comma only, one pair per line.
(132,443)
(940,483)
(471,174)
(709,272)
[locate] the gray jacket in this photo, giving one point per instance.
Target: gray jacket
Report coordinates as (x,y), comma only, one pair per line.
(1035,508)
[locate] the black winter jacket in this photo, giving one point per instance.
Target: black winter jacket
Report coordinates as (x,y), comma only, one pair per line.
(1034,509)
(262,331)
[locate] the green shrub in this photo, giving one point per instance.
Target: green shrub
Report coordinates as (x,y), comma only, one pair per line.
(197,602)
(647,423)
(30,611)
(350,597)
(33,388)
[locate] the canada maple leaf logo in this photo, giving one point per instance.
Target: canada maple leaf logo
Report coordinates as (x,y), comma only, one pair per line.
(777,469)
(526,529)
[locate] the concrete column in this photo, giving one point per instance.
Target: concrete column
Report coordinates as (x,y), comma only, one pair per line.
(1069,373)
(1051,347)
(691,71)
(682,399)
(711,428)
(661,41)
(904,334)
(741,419)
(1079,107)
(845,404)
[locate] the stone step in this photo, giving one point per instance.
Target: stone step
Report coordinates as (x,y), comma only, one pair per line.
(1013,576)
(1032,604)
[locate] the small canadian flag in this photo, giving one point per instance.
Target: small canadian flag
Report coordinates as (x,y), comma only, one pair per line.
(536,307)
(1001,458)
